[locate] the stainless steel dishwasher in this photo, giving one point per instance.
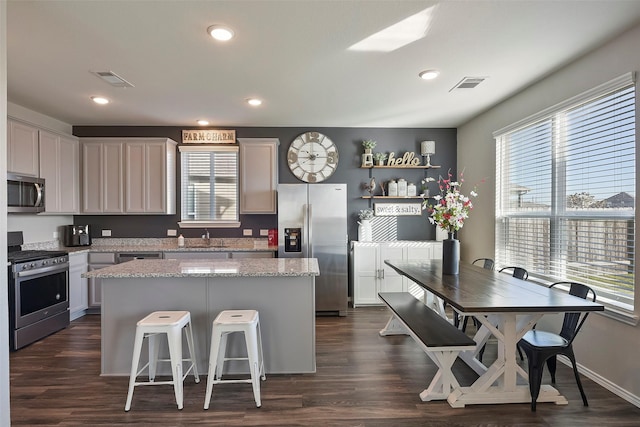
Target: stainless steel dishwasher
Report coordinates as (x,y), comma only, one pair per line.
(129,256)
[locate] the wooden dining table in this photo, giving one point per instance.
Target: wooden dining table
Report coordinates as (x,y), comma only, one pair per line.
(507,308)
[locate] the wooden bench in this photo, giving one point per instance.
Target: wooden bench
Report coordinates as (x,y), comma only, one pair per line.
(441,340)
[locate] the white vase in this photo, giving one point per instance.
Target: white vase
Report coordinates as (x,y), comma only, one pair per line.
(365,233)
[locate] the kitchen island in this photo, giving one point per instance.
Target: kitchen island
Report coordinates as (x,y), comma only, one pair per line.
(281,290)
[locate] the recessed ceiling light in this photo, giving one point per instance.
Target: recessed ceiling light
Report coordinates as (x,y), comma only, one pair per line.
(254,102)
(220,33)
(100,100)
(429,74)
(203,122)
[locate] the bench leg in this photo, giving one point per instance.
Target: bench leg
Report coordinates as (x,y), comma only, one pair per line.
(443,383)
(394,327)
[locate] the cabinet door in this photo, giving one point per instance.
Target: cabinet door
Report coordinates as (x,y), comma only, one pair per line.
(22,148)
(423,252)
(258,175)
(78,286)
(95,288)
(365,274)
(112,182)
(92,178)
(60,171)
(49,149)
(155,179)
(135,181)
(390,280)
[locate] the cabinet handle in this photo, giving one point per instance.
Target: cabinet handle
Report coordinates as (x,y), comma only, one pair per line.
(382,273)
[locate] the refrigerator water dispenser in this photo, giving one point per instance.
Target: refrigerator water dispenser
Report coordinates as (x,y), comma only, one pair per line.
(292,240)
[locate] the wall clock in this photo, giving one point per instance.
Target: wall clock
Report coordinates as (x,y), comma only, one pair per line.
(312,157)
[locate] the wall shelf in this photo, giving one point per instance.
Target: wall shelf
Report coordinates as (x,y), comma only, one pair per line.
(392,197)
(400,167)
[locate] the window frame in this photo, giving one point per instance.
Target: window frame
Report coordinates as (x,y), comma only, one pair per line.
(208,223)
(558,212)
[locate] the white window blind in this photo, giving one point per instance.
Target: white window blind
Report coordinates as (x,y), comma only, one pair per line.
(209,185)
(565,202)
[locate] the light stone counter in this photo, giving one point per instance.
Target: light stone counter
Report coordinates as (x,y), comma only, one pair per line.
(255,267)
(281,290)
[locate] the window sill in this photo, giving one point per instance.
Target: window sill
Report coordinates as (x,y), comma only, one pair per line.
(209,224)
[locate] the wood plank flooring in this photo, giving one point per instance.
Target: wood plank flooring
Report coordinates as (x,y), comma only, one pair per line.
(362,379)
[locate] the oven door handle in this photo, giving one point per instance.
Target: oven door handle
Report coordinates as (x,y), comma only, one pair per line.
(56,268)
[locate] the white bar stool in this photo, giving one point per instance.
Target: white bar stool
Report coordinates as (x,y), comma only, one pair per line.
(170,323)
(228,322)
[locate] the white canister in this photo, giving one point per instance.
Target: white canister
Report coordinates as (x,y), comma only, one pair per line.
(411,189)
(402,187)
(392,188)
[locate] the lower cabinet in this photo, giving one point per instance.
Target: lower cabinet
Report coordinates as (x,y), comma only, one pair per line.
(78,286)
(98,260)
(371,275)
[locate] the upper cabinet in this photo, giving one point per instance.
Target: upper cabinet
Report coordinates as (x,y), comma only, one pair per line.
(22,148)
(60,168)
(128,175)
(258,175)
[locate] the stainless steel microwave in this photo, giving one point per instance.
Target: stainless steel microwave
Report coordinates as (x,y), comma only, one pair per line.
(24,193)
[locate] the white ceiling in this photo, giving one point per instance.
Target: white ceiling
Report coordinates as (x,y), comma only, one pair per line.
(292,54)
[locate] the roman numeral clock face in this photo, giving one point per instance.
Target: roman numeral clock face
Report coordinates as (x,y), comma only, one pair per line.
(312,157)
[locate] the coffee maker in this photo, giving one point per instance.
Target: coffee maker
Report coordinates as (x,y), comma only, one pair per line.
(76,235)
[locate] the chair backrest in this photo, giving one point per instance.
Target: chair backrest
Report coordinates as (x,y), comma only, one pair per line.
(487,263)
(574,321)
(518,272)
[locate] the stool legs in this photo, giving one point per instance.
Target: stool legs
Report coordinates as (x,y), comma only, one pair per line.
(213,362)
(150,327)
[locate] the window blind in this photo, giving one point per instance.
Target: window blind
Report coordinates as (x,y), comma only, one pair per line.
(565,202)
(209,184)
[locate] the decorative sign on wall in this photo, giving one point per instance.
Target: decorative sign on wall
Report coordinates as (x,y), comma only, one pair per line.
(397,209)
(208,136)
(408,159)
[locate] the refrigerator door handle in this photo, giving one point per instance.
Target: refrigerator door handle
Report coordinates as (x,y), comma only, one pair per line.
(309,218)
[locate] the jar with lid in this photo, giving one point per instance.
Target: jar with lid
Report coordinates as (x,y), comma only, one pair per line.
(402,188)
(411,189)
(392,188)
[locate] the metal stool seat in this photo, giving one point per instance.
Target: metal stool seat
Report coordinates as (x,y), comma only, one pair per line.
(228,322)
(171,323)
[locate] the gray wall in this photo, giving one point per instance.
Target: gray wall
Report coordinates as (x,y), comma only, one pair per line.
(348,141)
(604,345)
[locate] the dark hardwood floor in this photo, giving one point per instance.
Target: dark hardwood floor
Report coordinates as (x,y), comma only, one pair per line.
(362,379)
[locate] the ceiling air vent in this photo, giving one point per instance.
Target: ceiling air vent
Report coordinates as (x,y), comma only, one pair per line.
(468,83)
(112,78)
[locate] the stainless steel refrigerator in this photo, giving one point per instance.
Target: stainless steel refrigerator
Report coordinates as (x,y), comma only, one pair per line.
(312,223)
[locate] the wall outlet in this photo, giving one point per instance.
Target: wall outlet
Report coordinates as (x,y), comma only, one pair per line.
(264,232)
(172,233)
(247,232)
(55,235)
(106,233)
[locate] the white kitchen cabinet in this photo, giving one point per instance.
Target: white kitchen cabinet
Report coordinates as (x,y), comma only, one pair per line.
(78,286)
(371,275)
(128,176)
(22,148)
(60,167)
(98,260)
(258,175)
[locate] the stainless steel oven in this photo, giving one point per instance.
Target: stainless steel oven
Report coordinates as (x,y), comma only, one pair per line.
(38,295)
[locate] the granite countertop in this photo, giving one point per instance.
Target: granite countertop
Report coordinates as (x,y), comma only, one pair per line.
(171,245)
(255,267)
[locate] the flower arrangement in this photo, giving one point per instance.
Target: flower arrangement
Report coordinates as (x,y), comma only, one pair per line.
(451,207)
(368,144)
(365,214)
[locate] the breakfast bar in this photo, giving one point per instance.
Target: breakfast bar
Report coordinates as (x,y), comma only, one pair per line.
(281,290)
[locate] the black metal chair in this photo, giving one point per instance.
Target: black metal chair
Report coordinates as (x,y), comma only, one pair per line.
(518,272)
(487,263)
(541,346)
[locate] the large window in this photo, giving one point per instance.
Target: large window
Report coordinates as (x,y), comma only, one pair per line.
(209,186)
(565,202)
